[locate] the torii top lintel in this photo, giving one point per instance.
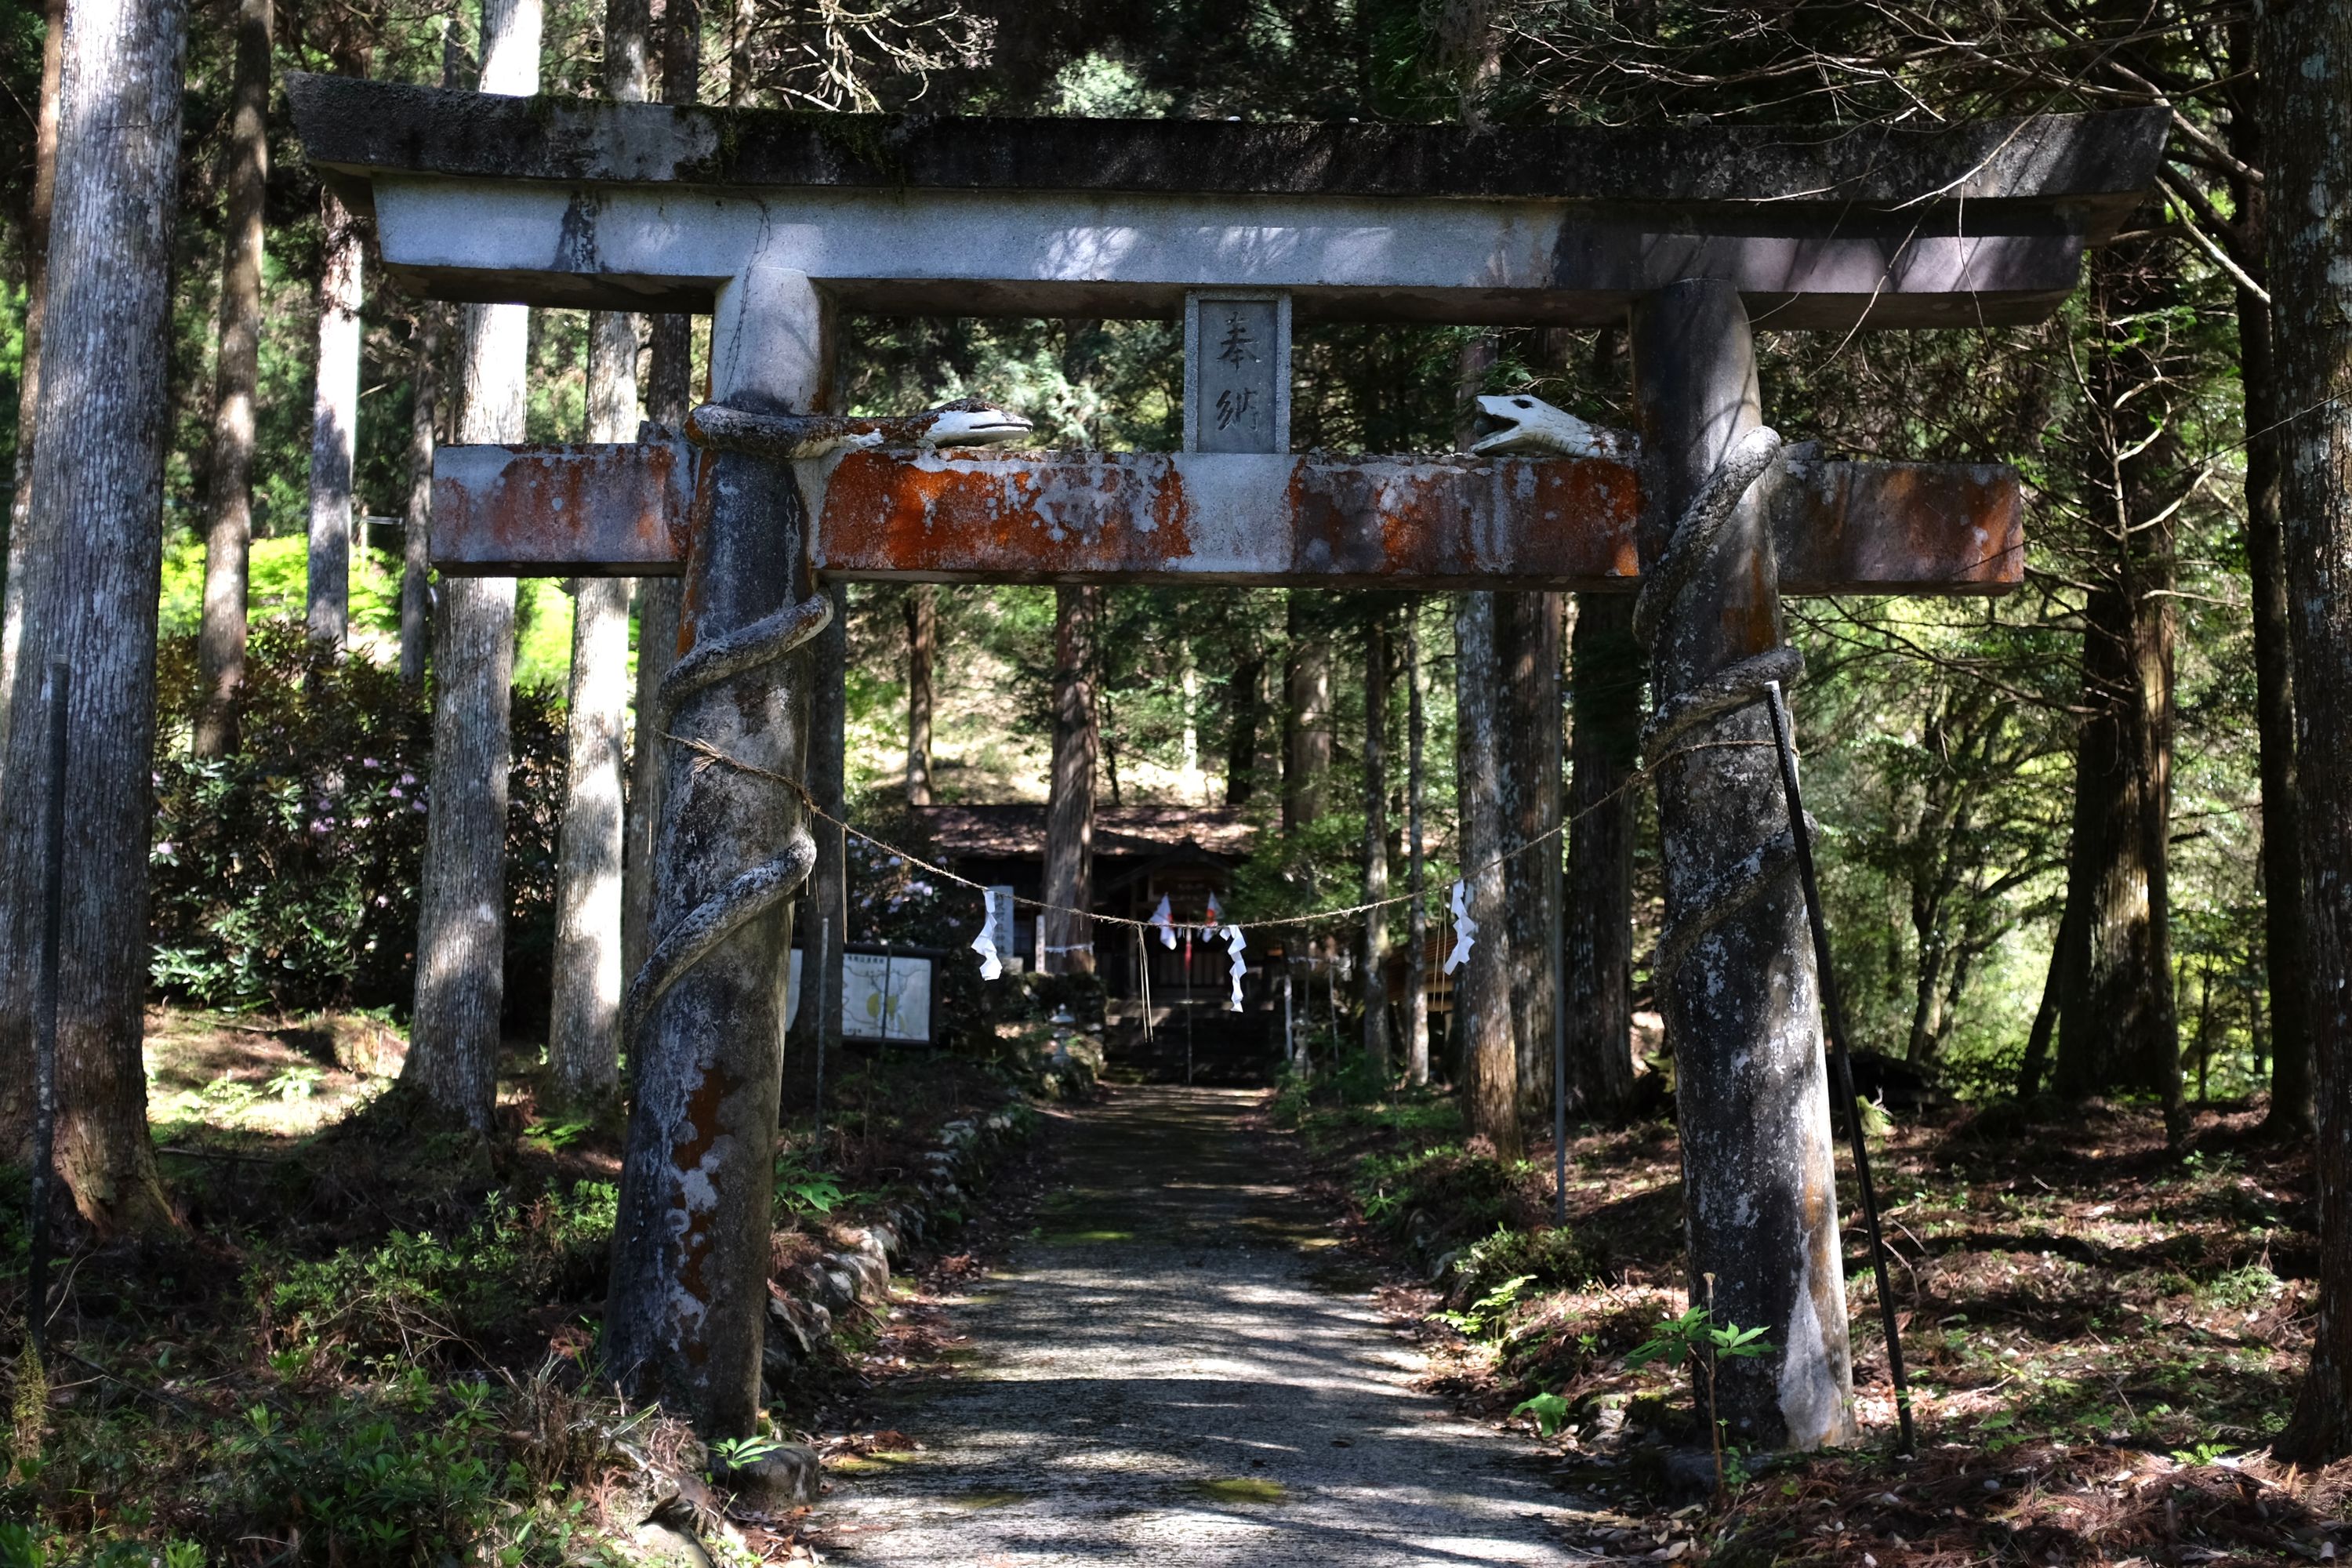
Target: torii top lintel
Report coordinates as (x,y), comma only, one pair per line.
(577,203)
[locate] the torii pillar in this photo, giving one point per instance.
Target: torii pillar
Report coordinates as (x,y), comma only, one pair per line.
(706,1016)
(1742,1002)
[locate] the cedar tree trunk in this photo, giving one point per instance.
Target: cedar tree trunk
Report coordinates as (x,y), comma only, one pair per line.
(334,422)
(922,637)
(28,390)
(88,576)
(1374,960)
(1306,715)
(416,535)
(1482,988)
(453,1052)
(1605,662)
(2305,52)
(2117,1025)
(1067,938)
(1416,982)
(228,537)
(1532,794)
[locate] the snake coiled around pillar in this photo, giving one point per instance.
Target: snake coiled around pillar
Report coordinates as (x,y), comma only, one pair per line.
(1694,544)
(763,643)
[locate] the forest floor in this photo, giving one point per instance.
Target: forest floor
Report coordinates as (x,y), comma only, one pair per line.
(362,1349)
(2101,1335)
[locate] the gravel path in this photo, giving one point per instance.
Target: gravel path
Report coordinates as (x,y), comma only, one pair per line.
(1165,1374)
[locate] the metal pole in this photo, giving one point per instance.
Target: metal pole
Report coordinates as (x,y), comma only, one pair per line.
(1290,1038)
(1833,1024)
(45,1012)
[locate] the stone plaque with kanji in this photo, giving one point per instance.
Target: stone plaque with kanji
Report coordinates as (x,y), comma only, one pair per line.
(1236,373)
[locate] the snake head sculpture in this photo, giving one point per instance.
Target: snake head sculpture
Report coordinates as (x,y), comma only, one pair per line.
(1530,428)
(970,422)
(790,437)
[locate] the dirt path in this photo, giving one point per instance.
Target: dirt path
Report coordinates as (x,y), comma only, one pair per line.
(1165,1374)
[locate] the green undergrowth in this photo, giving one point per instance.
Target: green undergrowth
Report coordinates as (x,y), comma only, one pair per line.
(374,1342)
(1479,1224)
(414,1294)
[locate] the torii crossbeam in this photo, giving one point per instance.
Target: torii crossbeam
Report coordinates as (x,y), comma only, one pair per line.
(1692,236)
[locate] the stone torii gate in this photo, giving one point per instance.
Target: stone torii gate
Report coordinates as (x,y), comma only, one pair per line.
(775,222)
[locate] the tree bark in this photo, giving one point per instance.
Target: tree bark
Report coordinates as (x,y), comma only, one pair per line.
(1306,715)
(1605,662)
(1068,940)
(1374,960)
(228,537)
(669,393)
(2117,1026)
(583,1036)
(1741,1003)
(827,902)
(1416,983)
(1482,988)
(453,1051)
(334,422)
(1248,698)
(2035,1066)
(922,635)
(88,576)
(2285,939)
(2305,55)
(417,535)
(1532,795)
(28,390)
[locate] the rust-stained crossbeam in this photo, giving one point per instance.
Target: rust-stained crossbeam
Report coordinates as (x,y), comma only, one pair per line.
(1225,517)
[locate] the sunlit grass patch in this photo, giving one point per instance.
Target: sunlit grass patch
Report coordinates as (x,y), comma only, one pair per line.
(1242,1488)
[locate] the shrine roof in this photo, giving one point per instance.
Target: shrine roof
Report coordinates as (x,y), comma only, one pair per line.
(1016,831)
(2100,164)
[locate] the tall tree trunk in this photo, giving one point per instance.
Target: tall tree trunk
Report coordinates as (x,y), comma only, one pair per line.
(2035,1066)
(1482,988)
(1374,959)
(2307,73)
(1068,939)
(90,572)
(1416,982)
(669,393)
(1605,662)
(740,17)
(1532,797)
(416,535)
(28,388)
(334,422)
(2285,940)
(583,1033)
(583,1036)
(2117,1026)
(1306,714)
(922,639)
(826,904)
(1248,698)
(2284,937)
(453,1052)
(228,538)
